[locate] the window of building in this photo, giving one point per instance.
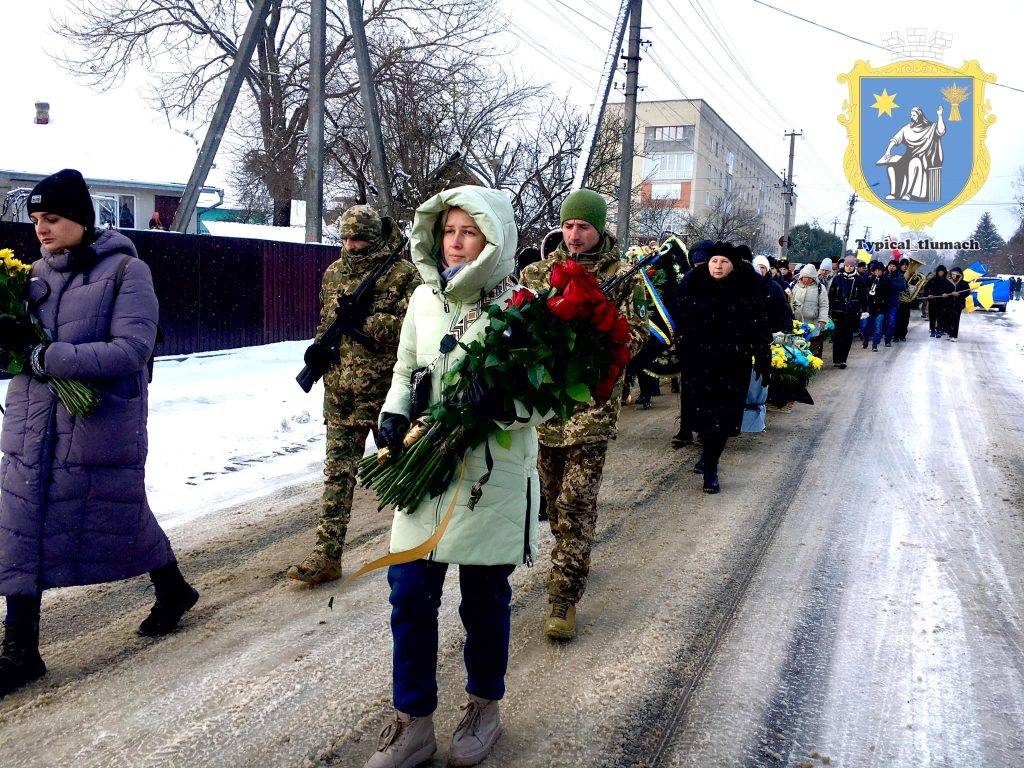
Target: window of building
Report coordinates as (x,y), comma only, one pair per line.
(665,191)
(669,165)
(126,212)
(668,138)
(117,212)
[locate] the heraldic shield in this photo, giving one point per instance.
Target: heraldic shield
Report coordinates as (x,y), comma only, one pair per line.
(916,134)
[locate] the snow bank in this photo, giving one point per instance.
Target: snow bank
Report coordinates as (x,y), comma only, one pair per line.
(228,427)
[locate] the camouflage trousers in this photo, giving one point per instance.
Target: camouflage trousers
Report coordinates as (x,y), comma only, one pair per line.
(344,449)
(570,478)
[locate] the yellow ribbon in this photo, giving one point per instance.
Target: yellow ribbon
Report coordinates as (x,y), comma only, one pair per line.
(424,549)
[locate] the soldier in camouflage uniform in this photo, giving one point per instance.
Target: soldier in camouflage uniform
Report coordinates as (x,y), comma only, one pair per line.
(357,378)
(571,457)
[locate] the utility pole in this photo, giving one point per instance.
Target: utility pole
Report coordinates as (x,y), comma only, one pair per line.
(849,218)
(253,29)
(315,122)
(611,66)
(371,112)
(788,194)
(629,130)
(835,223)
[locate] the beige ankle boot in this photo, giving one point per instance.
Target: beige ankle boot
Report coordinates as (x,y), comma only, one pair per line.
(404,742)
(476,735)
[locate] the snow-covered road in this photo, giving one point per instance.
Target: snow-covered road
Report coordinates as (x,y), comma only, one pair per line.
(855,594)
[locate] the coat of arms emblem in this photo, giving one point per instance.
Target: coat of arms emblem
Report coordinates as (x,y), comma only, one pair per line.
(916,134)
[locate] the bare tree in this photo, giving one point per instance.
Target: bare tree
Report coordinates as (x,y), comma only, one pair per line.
(187,46)
(727,220)
(1018,188)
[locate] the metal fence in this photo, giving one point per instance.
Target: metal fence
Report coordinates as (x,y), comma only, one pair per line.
(220,292)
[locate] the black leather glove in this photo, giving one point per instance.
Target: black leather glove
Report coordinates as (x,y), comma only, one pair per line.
(317,356)
(392,430)
(350,313)
(487,402)
(17,335)
(763,364)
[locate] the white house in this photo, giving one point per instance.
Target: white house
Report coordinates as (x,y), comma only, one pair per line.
(127,186)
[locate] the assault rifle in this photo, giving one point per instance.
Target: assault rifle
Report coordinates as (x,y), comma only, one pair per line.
(613,283)
(355,304)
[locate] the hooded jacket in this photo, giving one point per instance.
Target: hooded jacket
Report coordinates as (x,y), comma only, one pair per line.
(502,528)
(938,285)
(847,295)
(73,507)
(876,290)
(810,302)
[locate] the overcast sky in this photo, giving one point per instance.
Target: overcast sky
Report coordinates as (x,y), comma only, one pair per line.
(564,42)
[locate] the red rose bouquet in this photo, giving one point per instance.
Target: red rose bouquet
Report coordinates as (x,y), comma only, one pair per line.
(548,353)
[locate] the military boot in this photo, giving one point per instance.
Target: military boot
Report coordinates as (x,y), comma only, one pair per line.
(475,736)
(20,662)
(561,622)
(317,568)
(404,742)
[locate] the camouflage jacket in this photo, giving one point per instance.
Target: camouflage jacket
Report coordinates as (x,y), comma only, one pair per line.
(355,386)
(593,424)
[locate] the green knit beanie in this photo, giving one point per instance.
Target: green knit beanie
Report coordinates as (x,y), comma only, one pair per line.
(586,205)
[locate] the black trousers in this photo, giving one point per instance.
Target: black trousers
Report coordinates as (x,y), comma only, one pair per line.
(902,321)
(953,322)
(936,320)
(842,338)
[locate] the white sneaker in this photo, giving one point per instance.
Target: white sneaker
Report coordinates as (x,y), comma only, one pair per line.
(404,742)
(475,736)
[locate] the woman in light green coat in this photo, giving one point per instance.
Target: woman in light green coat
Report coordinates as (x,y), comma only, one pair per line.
(464,244)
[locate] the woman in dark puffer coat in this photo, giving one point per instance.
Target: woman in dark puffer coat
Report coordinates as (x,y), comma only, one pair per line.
(73,506)
(722,328)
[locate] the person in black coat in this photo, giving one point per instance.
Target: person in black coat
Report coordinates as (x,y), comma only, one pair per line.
(877,290)
(778,313)
(698,254)
(721,322)
(957,303)
(846,301)
(938,285)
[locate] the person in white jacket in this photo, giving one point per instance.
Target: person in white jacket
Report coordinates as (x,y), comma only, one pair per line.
(810,303)
(464,246)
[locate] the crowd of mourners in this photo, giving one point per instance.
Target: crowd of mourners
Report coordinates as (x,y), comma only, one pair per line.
(73,507)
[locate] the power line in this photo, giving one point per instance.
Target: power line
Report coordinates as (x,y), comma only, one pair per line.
(856,39)
(584,16)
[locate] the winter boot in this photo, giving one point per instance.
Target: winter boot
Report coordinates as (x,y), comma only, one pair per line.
(711,484)
(888,343)
(404,742)
(644,401)
(317,568)
(20,662)
(475,736)
(698,468)
(174,598)
(561,622)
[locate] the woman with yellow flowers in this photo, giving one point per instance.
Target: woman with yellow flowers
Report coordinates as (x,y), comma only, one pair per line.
(723,322)
(73,507)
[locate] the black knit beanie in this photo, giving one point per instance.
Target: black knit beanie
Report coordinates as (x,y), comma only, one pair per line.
(66,194)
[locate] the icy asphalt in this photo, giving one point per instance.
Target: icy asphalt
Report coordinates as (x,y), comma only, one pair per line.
(852,598)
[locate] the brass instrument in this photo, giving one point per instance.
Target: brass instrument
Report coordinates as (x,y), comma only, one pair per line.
(915,281)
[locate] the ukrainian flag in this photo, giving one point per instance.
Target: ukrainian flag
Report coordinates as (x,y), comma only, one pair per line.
(987,294)
(863,256)
(975,271)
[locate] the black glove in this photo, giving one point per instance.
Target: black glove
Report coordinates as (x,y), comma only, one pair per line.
(317,356)
(350,313)
(391,431)
(486,401)
(17,335)
(763,365)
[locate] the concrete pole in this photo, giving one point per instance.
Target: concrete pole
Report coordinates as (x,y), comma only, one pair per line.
(849,219)
(371,112)
(629,129)
(221,115)
(315,122)
(788,195)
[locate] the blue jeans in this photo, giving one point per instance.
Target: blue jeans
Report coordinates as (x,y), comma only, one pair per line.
(415,598)
(875,324)
(890,322)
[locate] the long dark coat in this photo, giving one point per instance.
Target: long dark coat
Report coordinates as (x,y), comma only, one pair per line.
(722,328)
(73,506)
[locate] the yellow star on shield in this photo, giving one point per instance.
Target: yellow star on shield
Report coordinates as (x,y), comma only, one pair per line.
(885,103)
